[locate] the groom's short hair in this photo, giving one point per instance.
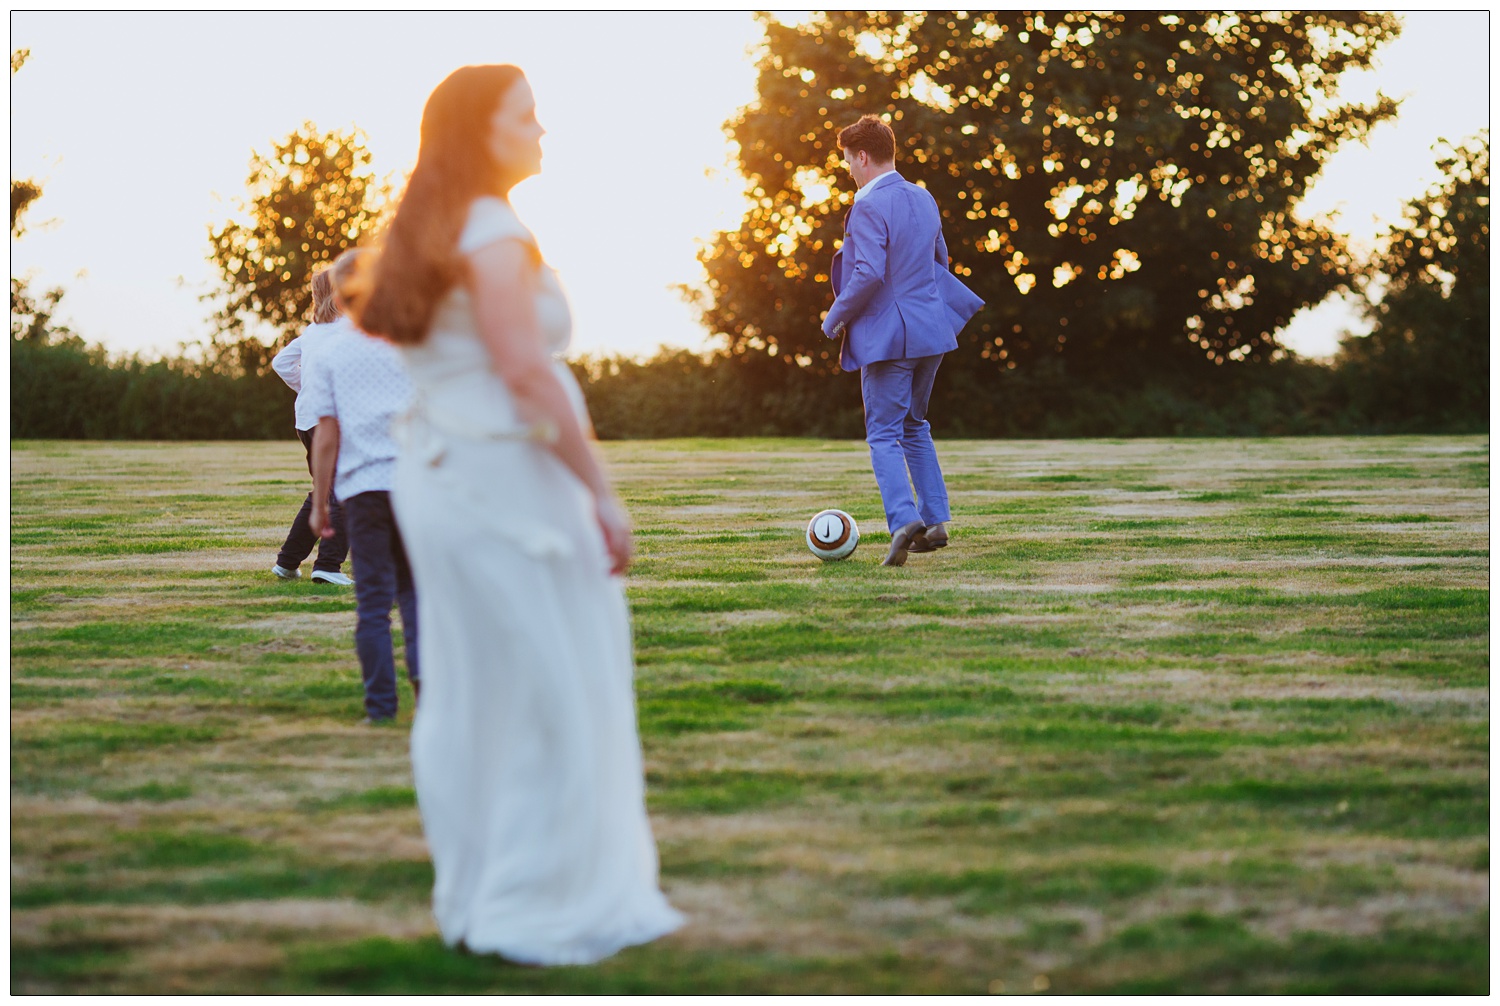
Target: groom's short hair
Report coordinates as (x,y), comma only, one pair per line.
(871,135)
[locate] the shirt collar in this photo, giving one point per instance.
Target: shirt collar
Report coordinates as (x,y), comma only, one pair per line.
(860,194)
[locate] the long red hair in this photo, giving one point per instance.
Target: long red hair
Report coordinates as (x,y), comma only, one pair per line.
(395,292)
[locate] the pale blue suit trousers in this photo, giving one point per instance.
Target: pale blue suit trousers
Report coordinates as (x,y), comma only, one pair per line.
(901,452)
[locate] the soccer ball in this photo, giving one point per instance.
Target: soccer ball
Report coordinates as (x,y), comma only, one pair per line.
(832,534)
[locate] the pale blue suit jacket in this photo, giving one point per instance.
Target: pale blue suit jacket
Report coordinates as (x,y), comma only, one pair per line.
(894,295)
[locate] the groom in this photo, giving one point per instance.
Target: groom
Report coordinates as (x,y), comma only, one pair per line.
(898,310)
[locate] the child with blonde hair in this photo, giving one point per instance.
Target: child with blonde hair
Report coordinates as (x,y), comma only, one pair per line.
(289,365)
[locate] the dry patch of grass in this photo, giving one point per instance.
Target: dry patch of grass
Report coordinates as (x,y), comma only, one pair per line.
(1167,716)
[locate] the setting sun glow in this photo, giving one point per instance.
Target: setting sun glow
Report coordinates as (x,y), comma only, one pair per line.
(140,129)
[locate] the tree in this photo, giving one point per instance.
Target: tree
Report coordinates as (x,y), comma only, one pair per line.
(1426,363)
(23,191)
(30,316)
(1119,187)
(310,198)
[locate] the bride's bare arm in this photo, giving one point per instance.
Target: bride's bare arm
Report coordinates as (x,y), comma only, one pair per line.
(502,283)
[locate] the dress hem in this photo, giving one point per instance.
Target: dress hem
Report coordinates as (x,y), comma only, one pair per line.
(596,951)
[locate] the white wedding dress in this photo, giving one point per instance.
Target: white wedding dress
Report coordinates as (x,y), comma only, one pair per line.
(524,749)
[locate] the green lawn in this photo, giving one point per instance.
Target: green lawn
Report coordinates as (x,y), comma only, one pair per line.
(1168,716)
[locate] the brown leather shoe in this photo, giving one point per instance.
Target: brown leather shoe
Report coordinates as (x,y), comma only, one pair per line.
(930,539)
(901,543)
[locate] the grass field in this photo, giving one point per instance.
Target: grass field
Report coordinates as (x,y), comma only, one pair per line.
(1168,716)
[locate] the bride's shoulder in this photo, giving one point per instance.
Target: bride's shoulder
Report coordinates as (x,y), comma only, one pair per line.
(491,219)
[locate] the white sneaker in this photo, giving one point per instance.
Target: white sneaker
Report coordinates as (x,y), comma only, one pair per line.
(286,574)
(331,576)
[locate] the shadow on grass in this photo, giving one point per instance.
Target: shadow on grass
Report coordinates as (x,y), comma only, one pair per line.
(382,966)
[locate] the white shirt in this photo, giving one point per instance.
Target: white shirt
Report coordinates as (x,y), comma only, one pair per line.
(290,363)
(864,189)
(362,382)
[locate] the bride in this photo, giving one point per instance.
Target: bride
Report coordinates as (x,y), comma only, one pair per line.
(524,750)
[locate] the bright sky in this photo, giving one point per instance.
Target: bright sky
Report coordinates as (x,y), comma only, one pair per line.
(140,128)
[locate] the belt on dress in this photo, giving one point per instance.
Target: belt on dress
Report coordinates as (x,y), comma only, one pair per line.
(535,538)
(434,450)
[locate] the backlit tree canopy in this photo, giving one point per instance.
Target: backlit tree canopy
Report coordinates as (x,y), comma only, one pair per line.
(1426,363)
(1120,188)
(30,316)
(310,198)
(23,191)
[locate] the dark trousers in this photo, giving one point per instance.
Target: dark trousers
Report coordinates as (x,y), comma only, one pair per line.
(382,578)
(300,539)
